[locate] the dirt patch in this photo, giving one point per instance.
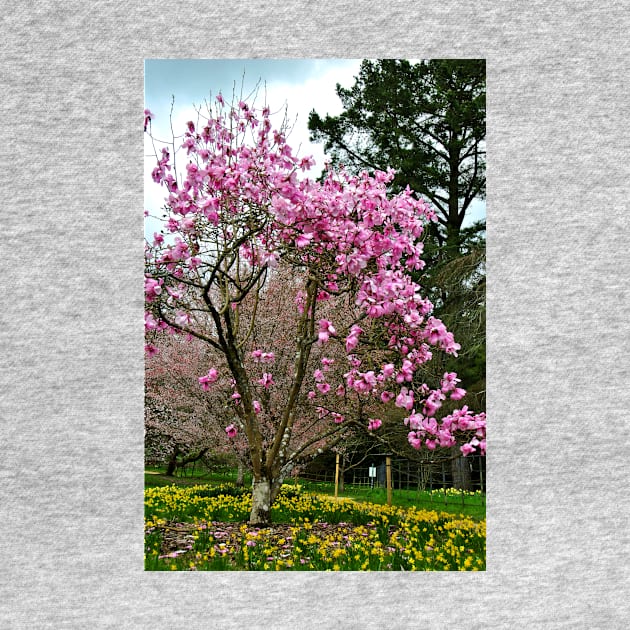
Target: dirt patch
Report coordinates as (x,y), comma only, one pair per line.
(227,538)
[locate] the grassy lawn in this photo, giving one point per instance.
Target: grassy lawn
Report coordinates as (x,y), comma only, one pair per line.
(454,502)
(155,477)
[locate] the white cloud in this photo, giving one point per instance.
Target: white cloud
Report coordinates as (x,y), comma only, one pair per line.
(316,93)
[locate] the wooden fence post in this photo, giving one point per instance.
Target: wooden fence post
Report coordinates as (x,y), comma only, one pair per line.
(388,472)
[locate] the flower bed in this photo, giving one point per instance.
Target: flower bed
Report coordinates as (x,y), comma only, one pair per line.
(201,528)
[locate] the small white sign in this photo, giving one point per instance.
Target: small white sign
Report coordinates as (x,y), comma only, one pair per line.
(372,471)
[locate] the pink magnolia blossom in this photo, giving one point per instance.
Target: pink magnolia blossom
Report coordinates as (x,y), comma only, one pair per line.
(406,372)
(150,323)
(324,388)
(436,331)
(388,370)
(152,288)
(326,330)
(306,163)
(182,318)
(433,402)
(449,381)
(323,336)
(193,262)
(433,433)
(231,431)
(364,382)
(374,423)
(327,363)
(303,240)
(387,396)
(414,421)
(449,345)
(174,294)
(148,115)
(211,377)
(267,380)
(352,340)
(414,440)
(405,399)
(263,357)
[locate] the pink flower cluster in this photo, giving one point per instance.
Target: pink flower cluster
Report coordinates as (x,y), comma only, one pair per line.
(352,340)
(326,331)
(428,431)
(431,433)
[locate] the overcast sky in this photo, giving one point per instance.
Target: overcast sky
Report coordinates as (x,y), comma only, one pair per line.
(299,84)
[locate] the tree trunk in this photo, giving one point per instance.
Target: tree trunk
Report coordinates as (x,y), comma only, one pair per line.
(172,462)
(240,475)
(342,472)
(454,222)
(261,503)
(460,469)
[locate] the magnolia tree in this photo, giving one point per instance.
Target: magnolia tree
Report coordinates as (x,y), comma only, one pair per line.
(303,291)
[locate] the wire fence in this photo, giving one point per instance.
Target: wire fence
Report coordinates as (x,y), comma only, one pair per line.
(439,478)
(429,481)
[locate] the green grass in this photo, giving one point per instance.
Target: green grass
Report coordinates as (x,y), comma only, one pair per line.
(155,477)
(473,506)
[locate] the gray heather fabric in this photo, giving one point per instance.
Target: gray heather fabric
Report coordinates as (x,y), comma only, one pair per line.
(72,353)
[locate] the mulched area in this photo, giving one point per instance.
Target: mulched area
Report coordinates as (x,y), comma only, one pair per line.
(177,538)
